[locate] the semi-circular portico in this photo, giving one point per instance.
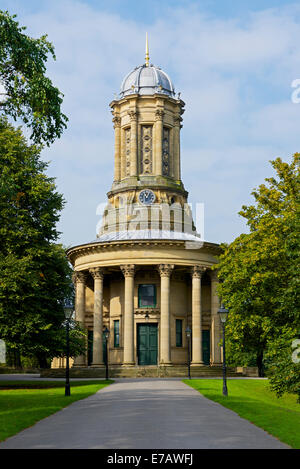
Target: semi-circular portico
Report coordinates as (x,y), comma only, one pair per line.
(185,295)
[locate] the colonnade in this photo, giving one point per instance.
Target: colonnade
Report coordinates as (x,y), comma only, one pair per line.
(165,271)
(121,161)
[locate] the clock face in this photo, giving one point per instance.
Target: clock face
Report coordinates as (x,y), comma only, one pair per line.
(147,197)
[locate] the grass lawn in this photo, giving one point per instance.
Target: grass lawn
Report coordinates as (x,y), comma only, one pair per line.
(253,400)
(23,403)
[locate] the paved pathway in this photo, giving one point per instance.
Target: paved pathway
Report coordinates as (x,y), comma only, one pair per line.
(144,413)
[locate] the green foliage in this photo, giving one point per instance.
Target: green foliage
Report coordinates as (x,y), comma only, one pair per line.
(35,274)
(283,353)
(29,94)
(259,271)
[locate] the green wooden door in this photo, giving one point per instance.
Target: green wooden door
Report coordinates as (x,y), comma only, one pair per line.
(147,344)
(206,347)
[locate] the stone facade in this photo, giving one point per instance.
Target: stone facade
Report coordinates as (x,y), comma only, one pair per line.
(113,273)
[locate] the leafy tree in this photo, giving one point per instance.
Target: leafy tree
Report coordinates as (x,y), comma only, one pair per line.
(35,273)
(28,93)
(259,271)
(283,353)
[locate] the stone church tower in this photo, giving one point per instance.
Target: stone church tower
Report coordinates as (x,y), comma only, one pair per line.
(148,274)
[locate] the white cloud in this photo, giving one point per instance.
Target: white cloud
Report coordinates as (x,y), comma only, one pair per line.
(234,76)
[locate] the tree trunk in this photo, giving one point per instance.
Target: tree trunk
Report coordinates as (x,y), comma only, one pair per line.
(42,359)
(259,363)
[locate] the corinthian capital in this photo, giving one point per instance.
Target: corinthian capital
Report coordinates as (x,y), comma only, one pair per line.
(177,121)
(198,270)
(97,272)
(127,270)
(132,114)
(117,121)
(214,275)
(159,114)
(165,270)
(79,277)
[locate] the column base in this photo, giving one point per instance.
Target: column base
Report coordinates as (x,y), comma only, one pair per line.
(128,364)
(98,365)
(166,364)
(197,364)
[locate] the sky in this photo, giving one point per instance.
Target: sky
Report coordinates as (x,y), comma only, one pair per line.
(233,62)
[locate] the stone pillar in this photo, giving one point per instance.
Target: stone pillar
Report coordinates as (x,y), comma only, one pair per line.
(117,127)
(133,143)
(159,114)
(216,330)
(176,146)
(79,278)
(122,154)
(165,271)
(97,274)
(128,272)
(197,272)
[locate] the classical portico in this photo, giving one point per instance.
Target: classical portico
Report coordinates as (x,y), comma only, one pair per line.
(149,274)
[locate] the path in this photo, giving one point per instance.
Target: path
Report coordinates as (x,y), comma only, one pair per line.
(144,413)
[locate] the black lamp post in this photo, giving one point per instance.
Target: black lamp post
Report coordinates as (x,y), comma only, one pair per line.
(223,313)
(188,332)
(68,310)
(106,335)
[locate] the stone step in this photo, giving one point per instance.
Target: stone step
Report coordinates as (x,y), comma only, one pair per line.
(141,372)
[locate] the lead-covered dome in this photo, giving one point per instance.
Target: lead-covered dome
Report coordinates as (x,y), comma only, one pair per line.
(147,79)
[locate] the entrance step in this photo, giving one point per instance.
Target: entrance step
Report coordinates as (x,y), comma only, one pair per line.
(142,372)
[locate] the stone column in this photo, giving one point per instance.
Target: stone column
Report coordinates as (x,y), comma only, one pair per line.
(97,274)
(159,114)
(128,272)
(133,142)
(216,330)
(79,278)
(176,146)
(117,127)
(165,271)
(197,272)
(122,154)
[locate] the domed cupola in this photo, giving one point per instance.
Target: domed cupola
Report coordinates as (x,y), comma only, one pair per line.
(145,80)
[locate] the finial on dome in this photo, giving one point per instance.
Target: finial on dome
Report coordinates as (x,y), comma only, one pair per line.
(147,52)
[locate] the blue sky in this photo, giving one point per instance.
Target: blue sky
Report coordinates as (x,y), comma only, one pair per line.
(232,61)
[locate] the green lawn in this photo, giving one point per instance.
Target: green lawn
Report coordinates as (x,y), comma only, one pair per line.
(253,400)
(23,403)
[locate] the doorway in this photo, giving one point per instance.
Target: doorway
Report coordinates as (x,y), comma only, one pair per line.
(147,344)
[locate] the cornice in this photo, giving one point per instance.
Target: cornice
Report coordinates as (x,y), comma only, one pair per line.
(90,248)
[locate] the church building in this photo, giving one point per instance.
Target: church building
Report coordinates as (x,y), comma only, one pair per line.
(148,276)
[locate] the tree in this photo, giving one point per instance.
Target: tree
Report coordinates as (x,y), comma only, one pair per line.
(259,271)
(35,274)
(28,93)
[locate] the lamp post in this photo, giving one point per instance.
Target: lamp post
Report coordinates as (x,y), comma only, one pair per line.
(106,335)
(68,310)
(188,332)
(223,314)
